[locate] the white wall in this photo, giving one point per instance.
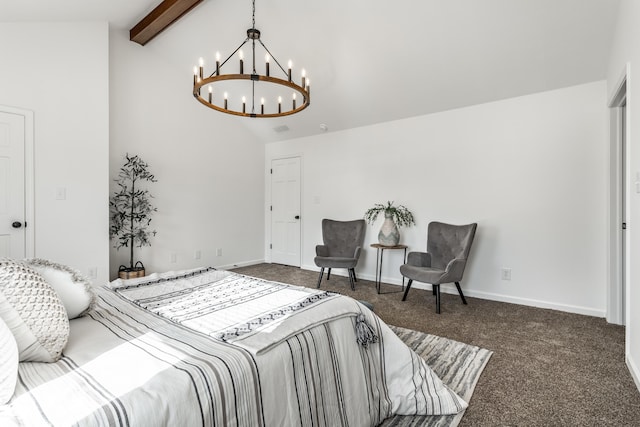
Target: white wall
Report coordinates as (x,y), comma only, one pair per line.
(626,51)
(210,170)
(530,170)
(60,72)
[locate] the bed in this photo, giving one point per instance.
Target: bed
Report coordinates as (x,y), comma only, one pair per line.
(214,348)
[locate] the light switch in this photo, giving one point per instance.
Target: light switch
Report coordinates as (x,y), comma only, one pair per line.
(61,193)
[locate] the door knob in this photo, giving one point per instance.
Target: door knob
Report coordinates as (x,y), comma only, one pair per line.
(16,224)
(297,216)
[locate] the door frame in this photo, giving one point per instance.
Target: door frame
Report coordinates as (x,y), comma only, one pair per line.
(616,313)
(29,175)
(268,202)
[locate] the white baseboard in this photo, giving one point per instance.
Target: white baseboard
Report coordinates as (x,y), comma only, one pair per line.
(537,303)
(240,264)
(635,372)
(451,289)
(343,273)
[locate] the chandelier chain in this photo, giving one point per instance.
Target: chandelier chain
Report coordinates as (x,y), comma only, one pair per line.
(254,15)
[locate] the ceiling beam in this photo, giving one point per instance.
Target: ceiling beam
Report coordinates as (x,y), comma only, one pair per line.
(165,14)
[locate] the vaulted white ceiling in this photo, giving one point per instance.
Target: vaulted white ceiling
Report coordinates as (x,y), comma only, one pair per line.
(372,61)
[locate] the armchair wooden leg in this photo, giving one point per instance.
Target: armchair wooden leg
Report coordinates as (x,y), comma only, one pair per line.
(464,301)
(407,290)
(355,279)
(320,277)
(433,288)
(437,288)
(351,274)
(329,274)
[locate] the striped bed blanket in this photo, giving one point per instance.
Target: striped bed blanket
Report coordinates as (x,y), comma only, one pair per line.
(253,313)
(214,348)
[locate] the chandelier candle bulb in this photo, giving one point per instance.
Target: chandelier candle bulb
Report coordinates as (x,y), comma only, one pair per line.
(201,68)
(210,93)
(217,63)
(266,60)
(244,104)
(290,65)
(261,105)
(241,55)
(304,73)
(294,101)
(195,75)
(279,104)
(226,96)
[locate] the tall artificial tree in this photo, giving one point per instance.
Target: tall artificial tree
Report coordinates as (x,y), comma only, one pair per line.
(130,207)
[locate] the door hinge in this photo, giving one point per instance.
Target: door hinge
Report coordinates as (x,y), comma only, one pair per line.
(271,208)
(270,246)
(271,171)
(624,225)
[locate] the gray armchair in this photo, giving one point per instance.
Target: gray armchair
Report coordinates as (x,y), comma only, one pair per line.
(342,245)
(448,248)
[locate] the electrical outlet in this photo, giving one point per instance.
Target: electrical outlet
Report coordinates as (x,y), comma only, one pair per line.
(219,252)
(197,254)
(505,273)
(174,257)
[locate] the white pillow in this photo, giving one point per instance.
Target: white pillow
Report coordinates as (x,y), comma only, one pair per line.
(73,288)
(33,312)
(8,363)
(121,283)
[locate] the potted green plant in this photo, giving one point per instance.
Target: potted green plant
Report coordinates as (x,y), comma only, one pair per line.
(130,212)
(394,217)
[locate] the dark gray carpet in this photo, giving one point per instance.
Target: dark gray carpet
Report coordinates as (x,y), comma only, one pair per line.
(549,368)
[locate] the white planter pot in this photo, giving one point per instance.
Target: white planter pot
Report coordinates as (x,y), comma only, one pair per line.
(389,234)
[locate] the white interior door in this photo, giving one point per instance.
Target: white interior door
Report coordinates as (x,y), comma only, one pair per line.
(624,178)
(285,211)
(12,185)
(618,219)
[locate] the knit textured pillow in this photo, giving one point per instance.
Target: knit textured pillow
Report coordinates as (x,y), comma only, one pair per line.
(33,312)
(8,363)
(73,288)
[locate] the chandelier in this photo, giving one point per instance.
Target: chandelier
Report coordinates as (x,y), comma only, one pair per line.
(250,94)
